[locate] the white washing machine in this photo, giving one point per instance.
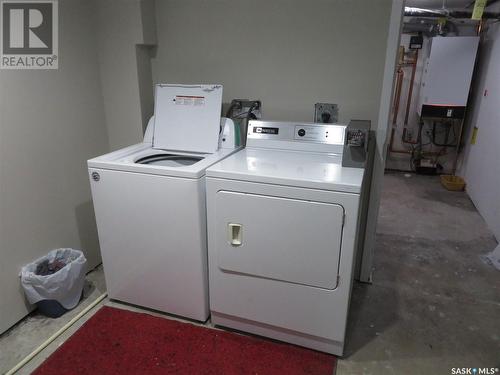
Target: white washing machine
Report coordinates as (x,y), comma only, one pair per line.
(283,216)
(149,202)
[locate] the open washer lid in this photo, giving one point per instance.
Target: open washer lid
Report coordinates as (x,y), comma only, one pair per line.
(187,117)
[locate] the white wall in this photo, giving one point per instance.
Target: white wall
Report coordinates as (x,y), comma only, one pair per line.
(51,122)
(481,167)
(382,137)
(126,31)
(288,53)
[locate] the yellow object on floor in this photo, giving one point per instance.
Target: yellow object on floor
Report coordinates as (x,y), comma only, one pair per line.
(453,183)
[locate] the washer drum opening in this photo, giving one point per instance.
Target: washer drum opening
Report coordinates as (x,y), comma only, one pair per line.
(169,160)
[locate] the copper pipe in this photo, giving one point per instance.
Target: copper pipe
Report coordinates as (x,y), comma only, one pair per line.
(410,91)
(397,96)
(408,101)
(480,27)
(400,72)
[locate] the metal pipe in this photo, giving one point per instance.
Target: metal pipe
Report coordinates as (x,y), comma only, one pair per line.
(428,26)
(438,13)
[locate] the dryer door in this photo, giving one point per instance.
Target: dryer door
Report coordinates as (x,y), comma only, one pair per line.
(290,240)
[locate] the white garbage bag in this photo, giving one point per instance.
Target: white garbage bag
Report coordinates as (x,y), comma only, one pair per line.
(64,285)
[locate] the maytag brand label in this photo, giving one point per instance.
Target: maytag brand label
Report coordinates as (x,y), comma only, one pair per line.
(266,130)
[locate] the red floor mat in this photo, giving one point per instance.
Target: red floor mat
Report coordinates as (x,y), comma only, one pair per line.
(116,341)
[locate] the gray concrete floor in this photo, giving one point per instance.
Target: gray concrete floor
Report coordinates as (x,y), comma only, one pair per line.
(31,332)
(434,304)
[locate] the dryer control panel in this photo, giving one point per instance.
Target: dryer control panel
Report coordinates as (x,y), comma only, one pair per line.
(319,133)
(351,141)
(296,132)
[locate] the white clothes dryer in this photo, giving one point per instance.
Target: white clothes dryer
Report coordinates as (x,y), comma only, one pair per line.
(283,219)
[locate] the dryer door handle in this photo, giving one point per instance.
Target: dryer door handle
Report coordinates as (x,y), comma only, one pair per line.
(234,232)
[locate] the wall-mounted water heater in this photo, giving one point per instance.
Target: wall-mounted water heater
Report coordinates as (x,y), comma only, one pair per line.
(447,76)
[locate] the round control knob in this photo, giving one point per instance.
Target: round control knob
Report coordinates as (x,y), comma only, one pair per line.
(301,132)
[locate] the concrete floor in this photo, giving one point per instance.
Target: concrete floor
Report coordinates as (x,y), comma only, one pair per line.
(434,304)
(28,334)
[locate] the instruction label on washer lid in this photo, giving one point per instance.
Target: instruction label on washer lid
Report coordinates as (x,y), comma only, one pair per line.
(189,100)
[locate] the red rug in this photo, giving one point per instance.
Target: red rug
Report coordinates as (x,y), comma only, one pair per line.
(116,341)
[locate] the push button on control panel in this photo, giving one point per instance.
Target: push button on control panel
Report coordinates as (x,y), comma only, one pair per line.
(301,132)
